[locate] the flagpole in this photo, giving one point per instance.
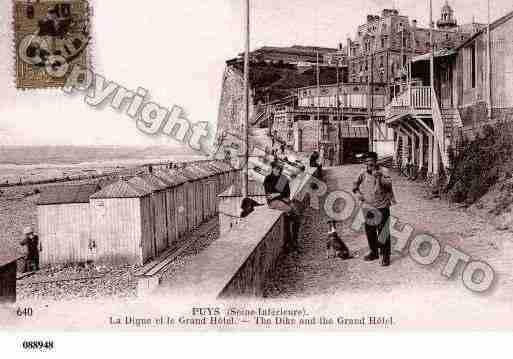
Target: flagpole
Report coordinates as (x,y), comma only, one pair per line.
(489,63)
(245,176)
(318,134)
(431,56)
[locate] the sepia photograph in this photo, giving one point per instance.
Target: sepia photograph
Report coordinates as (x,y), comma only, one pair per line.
(255,166)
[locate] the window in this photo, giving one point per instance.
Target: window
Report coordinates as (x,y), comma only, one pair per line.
(382,42)
(405,42)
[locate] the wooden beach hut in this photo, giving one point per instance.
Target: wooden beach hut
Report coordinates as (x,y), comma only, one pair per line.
(9,256)
(197,178)
(158,209)
(176,195)
(121,230)
(229,172)
(207,187)
(193,199)
(64,223)
(210,188)
(222,175)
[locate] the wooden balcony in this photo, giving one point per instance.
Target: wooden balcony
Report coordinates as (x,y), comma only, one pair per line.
(414,101)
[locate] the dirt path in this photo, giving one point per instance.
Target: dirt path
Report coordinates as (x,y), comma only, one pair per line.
(311,274)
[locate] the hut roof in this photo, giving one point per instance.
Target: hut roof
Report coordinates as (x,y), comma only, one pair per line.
(67,194)
(145,184)
(155,181)
(191,173)
(223,165)
(213,167)
(121,189)
(8,252)
(170,177)
(202,169)
(209,167)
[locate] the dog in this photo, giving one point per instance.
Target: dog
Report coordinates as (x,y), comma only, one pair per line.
(335,246)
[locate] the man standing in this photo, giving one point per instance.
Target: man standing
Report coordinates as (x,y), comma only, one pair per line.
(31,240)
(374,189)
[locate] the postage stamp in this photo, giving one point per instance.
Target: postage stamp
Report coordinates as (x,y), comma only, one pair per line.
(49,37)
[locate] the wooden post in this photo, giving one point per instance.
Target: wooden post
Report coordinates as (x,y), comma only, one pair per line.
(413,157)
(245,174)
(430,154)
(421,150)
(436,157)
(396,139)
(489,64)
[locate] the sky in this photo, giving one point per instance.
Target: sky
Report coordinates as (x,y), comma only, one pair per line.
(177,51)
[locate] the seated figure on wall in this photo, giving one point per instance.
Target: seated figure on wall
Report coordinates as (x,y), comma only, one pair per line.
(277,190)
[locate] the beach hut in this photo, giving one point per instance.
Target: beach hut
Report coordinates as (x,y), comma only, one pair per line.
(158,223)
(207,182)
(64,223)
(176,195)
(185,199)
(222,175)
(193,200)
(9,256)
(211,186)
(197,178)
(121,229)
(229,172)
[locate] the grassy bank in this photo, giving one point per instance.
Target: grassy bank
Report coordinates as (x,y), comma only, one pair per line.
(482,173)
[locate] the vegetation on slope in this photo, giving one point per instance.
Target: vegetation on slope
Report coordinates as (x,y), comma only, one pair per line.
(281,80)
(482,173)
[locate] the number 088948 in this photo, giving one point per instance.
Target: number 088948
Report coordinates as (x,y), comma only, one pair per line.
(38,345)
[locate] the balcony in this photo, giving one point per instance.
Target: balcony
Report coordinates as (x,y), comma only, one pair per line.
(414,101)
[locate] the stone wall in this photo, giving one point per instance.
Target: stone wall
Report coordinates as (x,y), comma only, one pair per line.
(250,278)
(238,262)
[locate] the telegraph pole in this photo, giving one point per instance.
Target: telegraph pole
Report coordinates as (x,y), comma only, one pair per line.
(489,63)
(318,134)
(245,170)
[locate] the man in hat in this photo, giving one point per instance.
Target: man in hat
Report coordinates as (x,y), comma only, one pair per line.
(277,190)
(31,240)
(374,189)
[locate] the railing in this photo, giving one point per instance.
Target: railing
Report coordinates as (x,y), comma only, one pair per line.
(414,98)
(420,97)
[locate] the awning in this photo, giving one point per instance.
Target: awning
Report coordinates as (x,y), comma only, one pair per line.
(354,132)
(438,53)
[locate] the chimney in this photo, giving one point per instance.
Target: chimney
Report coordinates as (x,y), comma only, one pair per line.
(414,24)
(340,46)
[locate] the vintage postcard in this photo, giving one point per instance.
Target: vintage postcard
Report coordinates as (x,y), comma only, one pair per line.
(256,165)
(50,37)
